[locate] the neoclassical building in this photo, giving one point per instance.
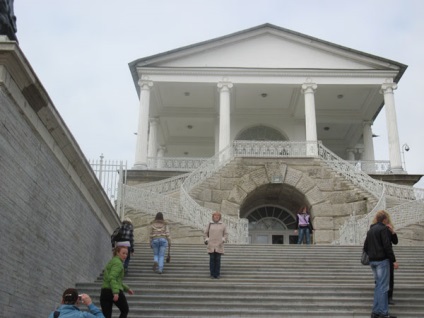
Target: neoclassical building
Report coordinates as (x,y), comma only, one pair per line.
(257,124)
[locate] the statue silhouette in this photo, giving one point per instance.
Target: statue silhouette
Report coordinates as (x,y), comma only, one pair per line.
(8,20)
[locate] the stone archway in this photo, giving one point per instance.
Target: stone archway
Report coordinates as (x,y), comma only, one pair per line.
(248,183)
(271,211)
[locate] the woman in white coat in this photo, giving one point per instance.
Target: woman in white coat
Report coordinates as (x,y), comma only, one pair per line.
(215,236)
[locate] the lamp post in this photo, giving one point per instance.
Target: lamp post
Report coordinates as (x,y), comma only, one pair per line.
(405,147)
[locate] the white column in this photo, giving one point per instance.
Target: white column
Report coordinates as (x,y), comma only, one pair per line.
(392,129)
(360,152)
(308,89)
(161,152)
(217,134)
(350,154)
(143,122)
(368,141)
(153,132)
(224,114)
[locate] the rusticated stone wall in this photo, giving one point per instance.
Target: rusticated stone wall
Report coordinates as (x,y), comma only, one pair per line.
(332,199)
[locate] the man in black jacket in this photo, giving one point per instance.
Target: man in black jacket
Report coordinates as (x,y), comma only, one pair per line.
(125,238)
(380,252)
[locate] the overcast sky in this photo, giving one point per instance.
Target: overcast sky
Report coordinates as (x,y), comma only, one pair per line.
(80,51)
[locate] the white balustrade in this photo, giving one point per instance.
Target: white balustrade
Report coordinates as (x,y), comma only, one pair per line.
(174,163)
(152,198)
(237,228)
(372,166)
(164,186)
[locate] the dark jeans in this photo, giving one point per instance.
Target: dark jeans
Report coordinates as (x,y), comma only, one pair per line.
(127,260)
(304,232)
(215,264)
(392,280)
(106,302)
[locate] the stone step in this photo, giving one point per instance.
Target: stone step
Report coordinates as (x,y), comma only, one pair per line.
(266,281)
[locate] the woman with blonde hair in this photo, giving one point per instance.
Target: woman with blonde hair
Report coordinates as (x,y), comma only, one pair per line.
(393,240)
(113,288)
(215,236)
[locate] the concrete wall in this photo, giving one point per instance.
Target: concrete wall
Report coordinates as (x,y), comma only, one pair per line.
(55,219)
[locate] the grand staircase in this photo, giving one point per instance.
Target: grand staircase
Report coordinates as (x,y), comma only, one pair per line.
(267,281)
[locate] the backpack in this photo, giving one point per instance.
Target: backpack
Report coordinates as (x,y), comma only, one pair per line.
(117,234)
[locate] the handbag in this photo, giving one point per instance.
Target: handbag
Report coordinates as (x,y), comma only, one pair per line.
(168,258)
(365,260)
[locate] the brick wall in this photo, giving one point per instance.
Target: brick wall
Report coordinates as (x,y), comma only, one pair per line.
(52,233)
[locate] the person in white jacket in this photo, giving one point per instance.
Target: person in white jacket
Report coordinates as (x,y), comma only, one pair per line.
(215,236)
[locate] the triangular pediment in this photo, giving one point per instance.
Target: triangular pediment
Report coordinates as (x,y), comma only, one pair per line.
(270,47)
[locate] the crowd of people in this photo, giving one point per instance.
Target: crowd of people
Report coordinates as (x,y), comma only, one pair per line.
(378,246)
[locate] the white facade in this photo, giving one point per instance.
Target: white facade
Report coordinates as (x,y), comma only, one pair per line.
(203,96)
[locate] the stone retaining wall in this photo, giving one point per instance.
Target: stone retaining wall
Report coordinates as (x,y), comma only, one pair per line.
(55,218)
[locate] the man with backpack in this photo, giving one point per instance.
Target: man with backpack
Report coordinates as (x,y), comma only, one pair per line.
(124,236)
(69,309)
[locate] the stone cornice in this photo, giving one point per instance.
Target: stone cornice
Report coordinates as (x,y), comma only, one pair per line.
(158,74)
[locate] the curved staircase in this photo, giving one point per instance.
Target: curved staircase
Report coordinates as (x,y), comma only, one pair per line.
(177,195)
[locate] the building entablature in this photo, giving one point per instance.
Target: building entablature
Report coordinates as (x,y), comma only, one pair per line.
(267,76)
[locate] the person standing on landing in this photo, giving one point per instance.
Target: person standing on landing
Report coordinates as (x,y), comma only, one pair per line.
(215,236)
(304,226)
(160,239)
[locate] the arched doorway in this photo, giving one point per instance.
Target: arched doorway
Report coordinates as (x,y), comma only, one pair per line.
(271,224)
(271,210)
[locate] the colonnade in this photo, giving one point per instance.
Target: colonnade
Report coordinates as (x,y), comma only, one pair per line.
(147,127)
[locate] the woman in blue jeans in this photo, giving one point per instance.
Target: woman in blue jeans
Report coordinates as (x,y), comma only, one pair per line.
(304,225)
(159,240)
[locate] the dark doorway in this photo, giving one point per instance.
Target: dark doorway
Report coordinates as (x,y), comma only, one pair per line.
(278,239)
(293,239)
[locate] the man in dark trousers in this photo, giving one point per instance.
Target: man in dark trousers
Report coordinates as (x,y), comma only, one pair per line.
(380,252)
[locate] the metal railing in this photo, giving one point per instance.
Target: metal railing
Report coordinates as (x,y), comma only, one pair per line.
(112,175)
